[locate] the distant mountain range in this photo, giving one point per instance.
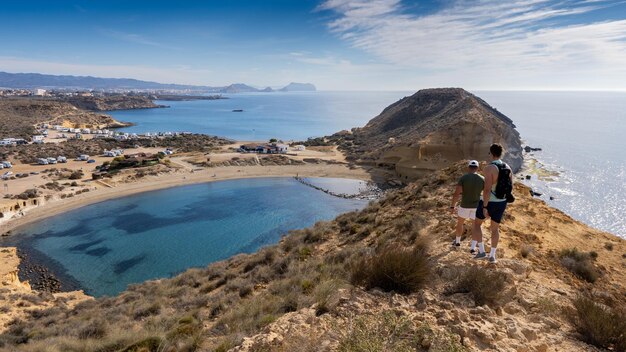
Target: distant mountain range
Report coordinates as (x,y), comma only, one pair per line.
(38,80)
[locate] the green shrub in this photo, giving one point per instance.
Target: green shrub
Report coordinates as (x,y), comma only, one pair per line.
(580,264)
(600,326)
(393,268)
(485,285)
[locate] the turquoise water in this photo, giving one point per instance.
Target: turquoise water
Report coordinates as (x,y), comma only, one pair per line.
(293,115)
(582,134)
(106,246)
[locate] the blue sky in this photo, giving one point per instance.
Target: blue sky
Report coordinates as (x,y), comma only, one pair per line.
(335,44)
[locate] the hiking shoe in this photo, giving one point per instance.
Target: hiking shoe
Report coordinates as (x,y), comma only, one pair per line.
(481,255)
(492,260)
(473,251)
(455,244)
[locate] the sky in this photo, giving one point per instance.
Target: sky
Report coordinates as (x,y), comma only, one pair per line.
(334,44)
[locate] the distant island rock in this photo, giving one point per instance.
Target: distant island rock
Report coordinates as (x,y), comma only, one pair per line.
(238,88)
(299,87)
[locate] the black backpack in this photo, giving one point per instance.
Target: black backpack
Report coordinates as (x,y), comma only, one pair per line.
(504,187)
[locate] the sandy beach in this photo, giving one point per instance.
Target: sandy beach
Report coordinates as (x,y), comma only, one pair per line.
(178,178)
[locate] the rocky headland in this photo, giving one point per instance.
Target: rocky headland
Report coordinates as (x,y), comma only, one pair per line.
(113,102)
(430,130)
(21,115)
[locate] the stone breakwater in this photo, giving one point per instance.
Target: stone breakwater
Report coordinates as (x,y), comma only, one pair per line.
(371,192)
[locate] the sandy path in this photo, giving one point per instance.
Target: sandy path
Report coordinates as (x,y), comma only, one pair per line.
(150,183)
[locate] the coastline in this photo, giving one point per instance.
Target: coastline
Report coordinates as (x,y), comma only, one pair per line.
(163,181)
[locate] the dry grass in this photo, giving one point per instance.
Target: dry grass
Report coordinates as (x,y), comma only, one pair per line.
(383,332)
(580,264)
(394,268)
(484,285)
(598,325)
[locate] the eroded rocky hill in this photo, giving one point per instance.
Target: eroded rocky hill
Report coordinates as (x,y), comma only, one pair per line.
(18,116)
(430,130)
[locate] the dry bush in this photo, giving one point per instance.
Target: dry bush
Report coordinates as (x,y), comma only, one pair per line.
(580,264)
(381,332)
(318,233)
(599,326)
(526,250)
(393,268)
(483,284)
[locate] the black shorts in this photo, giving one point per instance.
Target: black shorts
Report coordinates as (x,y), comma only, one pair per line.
(495,209)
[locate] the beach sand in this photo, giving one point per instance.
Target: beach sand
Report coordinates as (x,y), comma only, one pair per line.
(179,177)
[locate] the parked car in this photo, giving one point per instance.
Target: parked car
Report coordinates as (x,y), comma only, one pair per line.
(52,160)
(62,159)
(6,175)
(42,161)
(90,161)
(34,173)
(6,164)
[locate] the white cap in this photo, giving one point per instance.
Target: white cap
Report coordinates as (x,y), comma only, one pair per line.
(473,163)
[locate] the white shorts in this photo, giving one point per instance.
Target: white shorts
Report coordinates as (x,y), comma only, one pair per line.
(466,213)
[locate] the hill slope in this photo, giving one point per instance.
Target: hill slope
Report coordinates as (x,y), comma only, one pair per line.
(303,294)
(430,130)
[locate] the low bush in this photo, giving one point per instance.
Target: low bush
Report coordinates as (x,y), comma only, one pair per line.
(383,332)
(580,264)
(76,175)
(393,268)
(483,284)
(93,330)
(597,325)
(525,251)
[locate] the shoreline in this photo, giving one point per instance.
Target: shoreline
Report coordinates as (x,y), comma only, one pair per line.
(174,179)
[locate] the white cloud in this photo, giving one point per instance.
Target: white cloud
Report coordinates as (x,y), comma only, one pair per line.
(524,41)
(133,38)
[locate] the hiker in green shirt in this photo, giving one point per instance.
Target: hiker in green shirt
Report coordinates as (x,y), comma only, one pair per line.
(468,189)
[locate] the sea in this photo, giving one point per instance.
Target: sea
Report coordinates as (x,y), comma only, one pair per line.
(106,246)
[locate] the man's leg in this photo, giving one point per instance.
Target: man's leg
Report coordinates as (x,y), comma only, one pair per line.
(495,237)
(459,229)
(477,236)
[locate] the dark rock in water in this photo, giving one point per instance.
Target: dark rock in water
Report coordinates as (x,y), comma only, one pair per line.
(552,198)
(238,110)
(122,266)
(535,194)
(528,177)
(529,149)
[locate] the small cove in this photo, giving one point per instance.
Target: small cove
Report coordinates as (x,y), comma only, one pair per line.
(103,247)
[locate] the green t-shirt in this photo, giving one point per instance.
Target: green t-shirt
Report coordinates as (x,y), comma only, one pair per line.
(473,185)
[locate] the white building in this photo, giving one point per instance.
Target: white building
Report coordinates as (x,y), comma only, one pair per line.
(39,92)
